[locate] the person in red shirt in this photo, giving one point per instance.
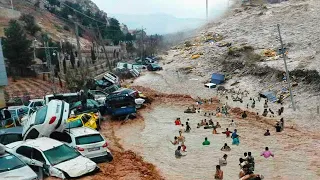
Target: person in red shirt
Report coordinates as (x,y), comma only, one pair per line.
(177,122)
(227,132)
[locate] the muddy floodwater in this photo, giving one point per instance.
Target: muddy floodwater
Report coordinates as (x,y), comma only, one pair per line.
(296,156)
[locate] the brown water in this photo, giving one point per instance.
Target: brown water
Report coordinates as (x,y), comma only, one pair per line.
(296,156)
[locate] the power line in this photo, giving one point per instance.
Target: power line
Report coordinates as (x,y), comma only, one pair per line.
(82,13)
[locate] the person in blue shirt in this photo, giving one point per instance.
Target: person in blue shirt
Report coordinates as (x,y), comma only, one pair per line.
(234,134)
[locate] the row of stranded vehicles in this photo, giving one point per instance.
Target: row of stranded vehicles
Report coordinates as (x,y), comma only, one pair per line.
(58,137)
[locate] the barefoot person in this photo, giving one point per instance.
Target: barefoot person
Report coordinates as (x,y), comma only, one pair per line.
(219,173)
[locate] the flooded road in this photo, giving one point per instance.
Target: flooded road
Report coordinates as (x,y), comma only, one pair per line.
(296,156)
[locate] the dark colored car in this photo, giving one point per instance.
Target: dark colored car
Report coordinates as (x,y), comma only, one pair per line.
(154,67)
(124,91)
(120,105)
(10,135)
(92,106)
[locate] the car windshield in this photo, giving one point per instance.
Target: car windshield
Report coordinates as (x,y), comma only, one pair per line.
(41,115)
(10,162)
(60,154)
(74,123)
(89,139)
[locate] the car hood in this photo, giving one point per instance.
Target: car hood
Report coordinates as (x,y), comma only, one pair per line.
(77,167)
(23,173)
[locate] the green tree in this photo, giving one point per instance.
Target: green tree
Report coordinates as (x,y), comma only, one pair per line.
(130,48)
(129,37)
(93,56)
(16,47)
(54,2)
(114,32)
(30,24)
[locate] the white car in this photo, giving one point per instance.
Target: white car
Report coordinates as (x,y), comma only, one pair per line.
(54,157)
(46,120)
(87,141)
(67,97)
(36,103)
(12,168)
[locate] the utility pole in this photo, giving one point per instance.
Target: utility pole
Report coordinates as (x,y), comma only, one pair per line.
(78,42)
(11,5)
(104,48)
(287,72)
(142,44)
(34,50)
(207,11)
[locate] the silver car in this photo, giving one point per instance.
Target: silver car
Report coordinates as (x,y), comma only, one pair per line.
(11,167)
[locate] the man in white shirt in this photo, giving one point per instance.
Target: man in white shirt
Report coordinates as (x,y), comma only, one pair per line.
(223,160)
(233,124)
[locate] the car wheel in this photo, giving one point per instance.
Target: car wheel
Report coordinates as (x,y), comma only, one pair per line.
(109,157)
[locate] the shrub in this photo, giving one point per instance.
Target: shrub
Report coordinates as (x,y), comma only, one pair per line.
(30,24)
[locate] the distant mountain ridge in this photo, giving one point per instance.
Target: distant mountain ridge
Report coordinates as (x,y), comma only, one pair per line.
(158,23)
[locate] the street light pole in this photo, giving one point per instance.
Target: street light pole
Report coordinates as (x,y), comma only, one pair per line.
(287,72)
(207,12)
(11,5)
(34,49)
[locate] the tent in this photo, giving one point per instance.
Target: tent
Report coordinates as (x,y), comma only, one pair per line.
(269,95)
(217,78)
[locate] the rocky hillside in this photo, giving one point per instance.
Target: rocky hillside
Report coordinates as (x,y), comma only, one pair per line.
(244,45)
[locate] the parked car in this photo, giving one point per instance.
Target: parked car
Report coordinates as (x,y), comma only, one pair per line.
(10,135)
(36,103)
(130,92)
(154,67)
(56,158)
(90,120)
(120,105)
(47,119)
(97,95)
(111,89)
(92,106)
(89,142)
(12,168)
(114,79)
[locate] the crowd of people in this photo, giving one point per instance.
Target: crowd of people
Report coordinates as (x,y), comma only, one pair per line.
(246,163)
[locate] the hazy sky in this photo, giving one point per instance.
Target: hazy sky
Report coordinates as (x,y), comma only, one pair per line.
(178,8)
